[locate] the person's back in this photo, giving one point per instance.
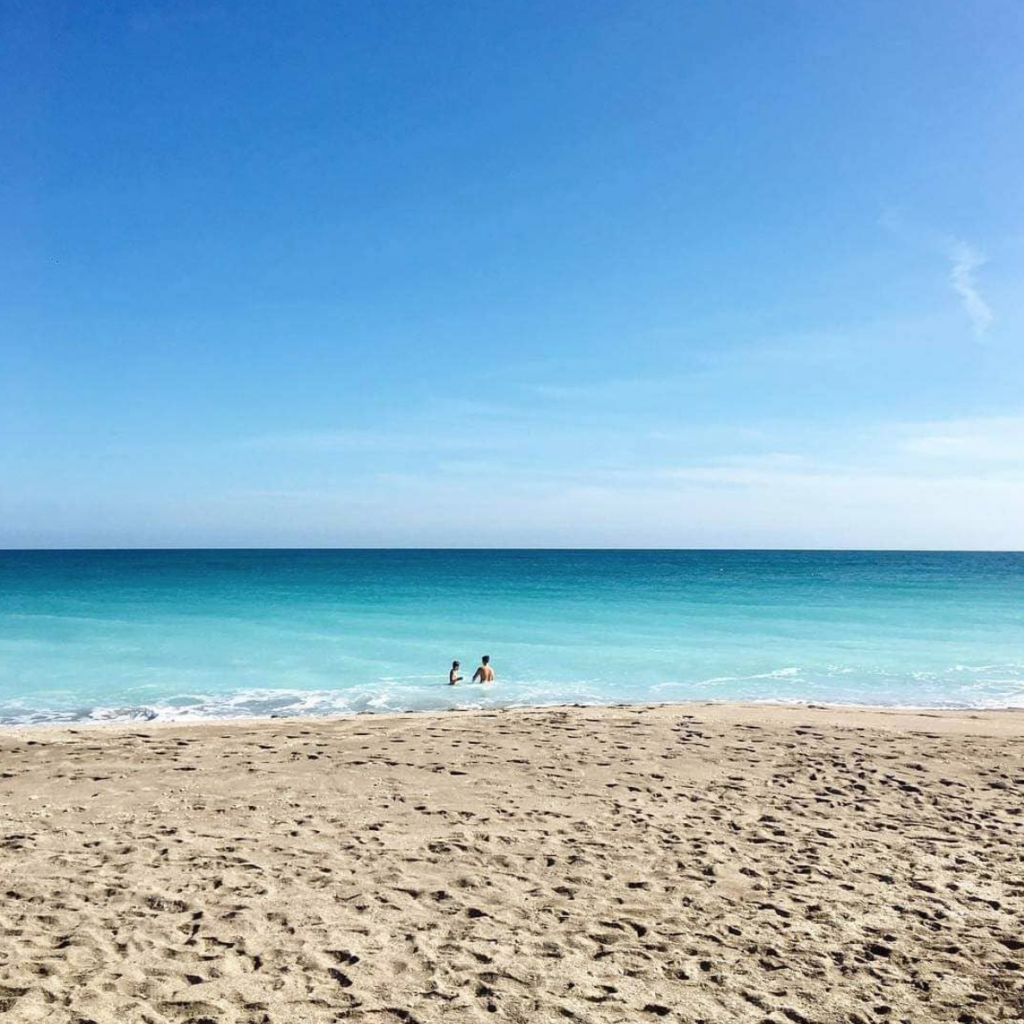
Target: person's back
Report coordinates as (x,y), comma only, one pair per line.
(484,674)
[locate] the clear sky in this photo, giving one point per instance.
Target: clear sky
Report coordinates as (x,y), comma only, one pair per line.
(512,273)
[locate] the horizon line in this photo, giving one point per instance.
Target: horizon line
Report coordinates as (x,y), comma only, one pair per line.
(498,550)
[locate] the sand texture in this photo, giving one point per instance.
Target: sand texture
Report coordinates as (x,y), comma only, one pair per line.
(688,863)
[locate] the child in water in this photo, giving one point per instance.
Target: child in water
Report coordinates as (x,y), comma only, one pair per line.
(453,676)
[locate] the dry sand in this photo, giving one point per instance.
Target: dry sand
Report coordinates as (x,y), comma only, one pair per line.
(688,863)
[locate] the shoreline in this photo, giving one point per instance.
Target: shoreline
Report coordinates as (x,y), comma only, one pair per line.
(923,711)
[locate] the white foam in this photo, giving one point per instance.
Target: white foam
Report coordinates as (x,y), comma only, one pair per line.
(1004,687)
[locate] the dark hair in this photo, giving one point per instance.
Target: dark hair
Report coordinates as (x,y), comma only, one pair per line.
(486,658)
(455,664)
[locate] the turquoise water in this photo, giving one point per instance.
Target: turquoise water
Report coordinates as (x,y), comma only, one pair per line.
(179,634)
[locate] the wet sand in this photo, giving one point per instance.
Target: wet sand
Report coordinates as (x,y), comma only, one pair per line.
(687,863)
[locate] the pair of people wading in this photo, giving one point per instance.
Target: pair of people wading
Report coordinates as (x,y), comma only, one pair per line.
(484,674)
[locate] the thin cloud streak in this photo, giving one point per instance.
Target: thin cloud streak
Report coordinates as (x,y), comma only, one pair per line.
(361,441)
(986,439)
(965,261)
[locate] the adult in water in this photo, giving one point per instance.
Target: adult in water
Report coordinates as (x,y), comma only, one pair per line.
(484,674)
(453,676)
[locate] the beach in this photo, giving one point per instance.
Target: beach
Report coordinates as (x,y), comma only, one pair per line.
(694,862)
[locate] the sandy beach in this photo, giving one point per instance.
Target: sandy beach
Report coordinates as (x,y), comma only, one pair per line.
(687,863)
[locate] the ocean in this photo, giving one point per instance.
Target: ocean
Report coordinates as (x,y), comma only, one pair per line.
(133,635)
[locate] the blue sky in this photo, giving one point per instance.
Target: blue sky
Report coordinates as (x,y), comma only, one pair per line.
(552,273)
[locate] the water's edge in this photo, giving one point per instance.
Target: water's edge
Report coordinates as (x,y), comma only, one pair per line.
(101,726)
(142,718)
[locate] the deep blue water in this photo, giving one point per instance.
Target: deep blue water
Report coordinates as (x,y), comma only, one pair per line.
(115,635)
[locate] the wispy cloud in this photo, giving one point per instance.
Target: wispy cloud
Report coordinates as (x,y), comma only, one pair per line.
(982,439)
(609,389)
(965,260)
(320,442)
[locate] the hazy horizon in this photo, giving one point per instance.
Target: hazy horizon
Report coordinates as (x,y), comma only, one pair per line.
(536,548)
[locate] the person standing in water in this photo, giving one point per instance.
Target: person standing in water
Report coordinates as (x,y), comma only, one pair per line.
(484,674)
(453,676)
